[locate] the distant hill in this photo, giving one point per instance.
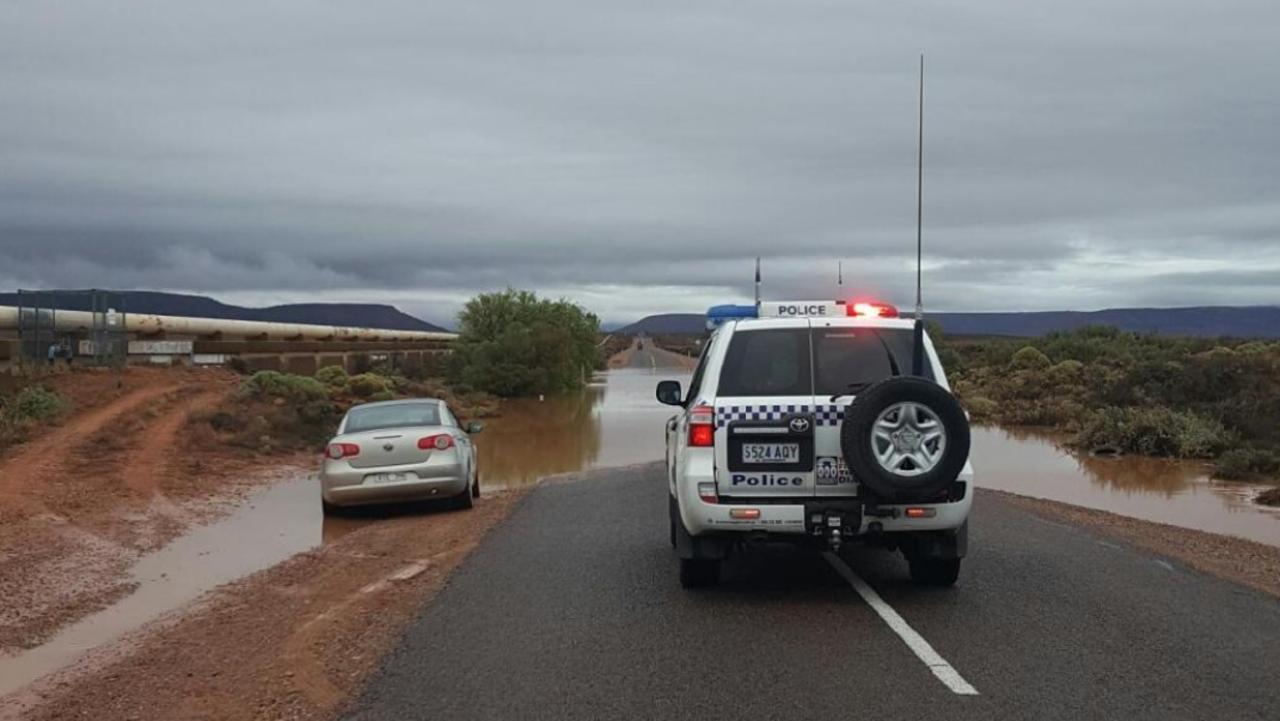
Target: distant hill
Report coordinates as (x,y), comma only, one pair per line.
(369,315)
(1242,322)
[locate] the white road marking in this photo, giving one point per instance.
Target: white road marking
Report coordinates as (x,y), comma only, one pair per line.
(920,647)
(1164,564)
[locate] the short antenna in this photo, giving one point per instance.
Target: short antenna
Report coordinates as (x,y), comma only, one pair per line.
(920,196)
(757,281)
(840,274)
(917,346)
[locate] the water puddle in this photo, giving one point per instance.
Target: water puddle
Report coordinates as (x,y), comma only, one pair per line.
(272,525)
(1178,493)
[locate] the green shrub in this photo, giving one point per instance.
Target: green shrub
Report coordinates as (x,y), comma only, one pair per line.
(1068,371)
(981,408)
(513,343)
(33,403)
(284,385)
(1239,463)
(1155,431)
(382,396)
(1030,358)
(366,385)
(332,376)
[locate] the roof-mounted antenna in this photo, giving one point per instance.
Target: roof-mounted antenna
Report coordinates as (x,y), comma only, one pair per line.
(757,281)
(840,274)
(917,345)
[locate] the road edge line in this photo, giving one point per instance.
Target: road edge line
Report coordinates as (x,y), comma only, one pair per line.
(944,671)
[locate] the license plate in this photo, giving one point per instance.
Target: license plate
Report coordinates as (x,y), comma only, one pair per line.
(770,452)
(386,477)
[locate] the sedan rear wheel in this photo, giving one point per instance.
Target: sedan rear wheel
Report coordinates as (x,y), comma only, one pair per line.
(464,500)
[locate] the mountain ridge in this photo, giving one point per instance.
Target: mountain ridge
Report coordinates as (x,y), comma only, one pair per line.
(367,315)
(1205,321)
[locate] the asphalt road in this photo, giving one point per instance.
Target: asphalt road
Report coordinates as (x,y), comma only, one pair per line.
(653,357)
(572,610)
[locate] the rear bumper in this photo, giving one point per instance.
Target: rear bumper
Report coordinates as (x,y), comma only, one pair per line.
(790,518)
(354,487)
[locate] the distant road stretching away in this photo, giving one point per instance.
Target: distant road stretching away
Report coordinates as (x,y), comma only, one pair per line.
(651,356)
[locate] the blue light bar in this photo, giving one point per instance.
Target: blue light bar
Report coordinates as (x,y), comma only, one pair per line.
(718,314)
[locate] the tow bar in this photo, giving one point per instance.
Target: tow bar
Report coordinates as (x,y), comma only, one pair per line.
(834,520)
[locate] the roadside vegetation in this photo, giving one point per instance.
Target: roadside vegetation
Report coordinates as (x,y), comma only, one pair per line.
(513,344)
(1126,392)
(26,409)
(277,412)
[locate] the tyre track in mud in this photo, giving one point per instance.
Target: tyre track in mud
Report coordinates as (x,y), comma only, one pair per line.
(79,505)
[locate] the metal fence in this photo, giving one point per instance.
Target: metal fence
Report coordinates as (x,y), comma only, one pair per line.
(62,325)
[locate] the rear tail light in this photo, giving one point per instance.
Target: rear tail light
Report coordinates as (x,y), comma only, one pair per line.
(338,451)
(744,514)
(921,512)
(439,442)
(702,426)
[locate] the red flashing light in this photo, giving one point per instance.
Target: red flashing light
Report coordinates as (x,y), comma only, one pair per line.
(867,309)
(702,426)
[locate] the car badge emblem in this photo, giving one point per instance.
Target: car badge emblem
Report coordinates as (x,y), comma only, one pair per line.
(798,425)
(387,447)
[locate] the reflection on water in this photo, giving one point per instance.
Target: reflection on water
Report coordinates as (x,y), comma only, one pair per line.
(614,422)
(1174,492)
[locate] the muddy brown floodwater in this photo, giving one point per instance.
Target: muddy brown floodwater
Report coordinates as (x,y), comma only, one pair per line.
(1178,493)
(616,421)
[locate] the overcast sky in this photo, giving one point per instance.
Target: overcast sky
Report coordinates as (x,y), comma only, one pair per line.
(636,155)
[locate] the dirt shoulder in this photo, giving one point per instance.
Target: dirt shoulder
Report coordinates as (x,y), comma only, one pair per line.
(1245,562)
(294,641)
(115,477)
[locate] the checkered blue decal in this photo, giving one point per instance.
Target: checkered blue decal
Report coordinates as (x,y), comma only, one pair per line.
(823,415)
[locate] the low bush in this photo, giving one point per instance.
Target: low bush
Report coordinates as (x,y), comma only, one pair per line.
(1243,463)
(1155,431)
(33,403)
(366,385)
(332,376)
(284,385)
(1029,358)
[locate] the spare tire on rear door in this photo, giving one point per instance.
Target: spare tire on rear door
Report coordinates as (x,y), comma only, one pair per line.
(905,439)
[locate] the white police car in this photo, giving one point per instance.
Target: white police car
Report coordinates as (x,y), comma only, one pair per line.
(822,421)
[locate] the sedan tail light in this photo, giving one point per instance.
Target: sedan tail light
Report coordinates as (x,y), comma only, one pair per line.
(438,442)
(338,451)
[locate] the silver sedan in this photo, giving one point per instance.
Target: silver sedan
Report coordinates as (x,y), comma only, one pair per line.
(406,450)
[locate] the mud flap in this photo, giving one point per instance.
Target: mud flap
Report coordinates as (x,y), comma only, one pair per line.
(703,548)
(937,544)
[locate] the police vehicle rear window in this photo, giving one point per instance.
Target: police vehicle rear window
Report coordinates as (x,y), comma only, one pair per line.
(779,362)
(846,358)
(767,362)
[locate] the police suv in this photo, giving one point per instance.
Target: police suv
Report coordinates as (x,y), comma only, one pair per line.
(823,422)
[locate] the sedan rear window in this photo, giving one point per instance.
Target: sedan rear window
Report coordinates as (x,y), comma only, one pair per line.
(399,415)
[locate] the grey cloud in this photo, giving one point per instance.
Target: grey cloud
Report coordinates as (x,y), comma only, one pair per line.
(1078,156)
